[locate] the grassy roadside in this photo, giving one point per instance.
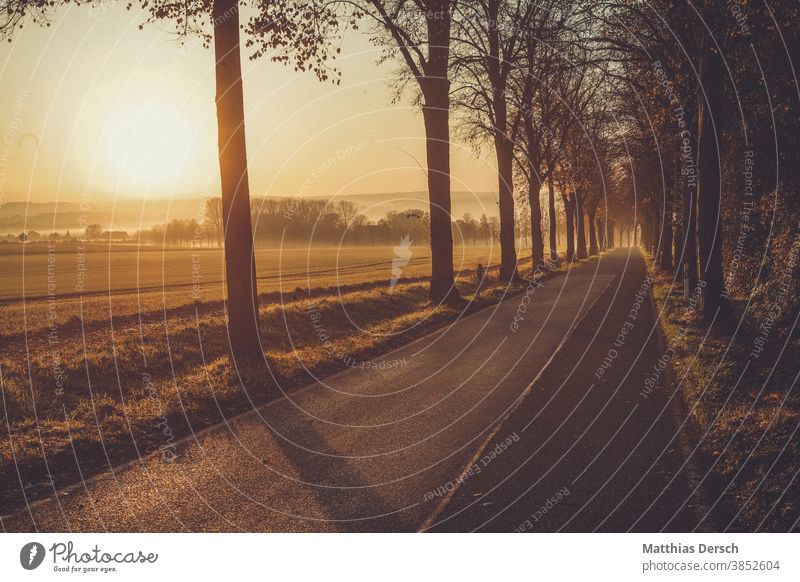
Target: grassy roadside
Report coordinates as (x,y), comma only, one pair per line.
(120,391)
(745,410)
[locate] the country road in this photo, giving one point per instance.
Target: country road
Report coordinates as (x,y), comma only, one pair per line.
(491,426)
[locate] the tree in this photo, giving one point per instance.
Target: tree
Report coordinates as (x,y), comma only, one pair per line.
(212,220)
(583,166)
(531,170)
(420,32)
(530,147)
(709,184)
(598,130)
(494,228)
(93,232)
(240,268)
(470,227)
(488,47)
(551,95)
(290,31)
(485,228)
(347,212)
(580,224)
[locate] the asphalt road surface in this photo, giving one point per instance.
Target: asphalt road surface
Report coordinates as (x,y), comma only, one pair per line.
(499,422)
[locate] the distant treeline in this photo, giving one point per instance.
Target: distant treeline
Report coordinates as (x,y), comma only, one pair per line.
(293,221)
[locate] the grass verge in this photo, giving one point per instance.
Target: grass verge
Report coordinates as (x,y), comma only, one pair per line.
(744,406)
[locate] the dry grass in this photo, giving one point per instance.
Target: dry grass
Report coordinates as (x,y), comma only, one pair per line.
(745,409)
(109,387)
(125,280)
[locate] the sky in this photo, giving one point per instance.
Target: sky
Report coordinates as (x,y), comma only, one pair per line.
(92,106)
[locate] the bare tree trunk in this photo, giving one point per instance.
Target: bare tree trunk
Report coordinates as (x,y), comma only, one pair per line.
(242,303)
(665,241)
(534,188)
(569,214)
(690,235)
(654,232)
(551,207)
(676,225)
(580,225)
(709,187)
(602,226)
(537,245)
(590,213)
(656,225)
(505,161)
(504,146)
(436,114)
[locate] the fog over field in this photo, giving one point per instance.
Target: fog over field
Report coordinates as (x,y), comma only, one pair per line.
(132,214)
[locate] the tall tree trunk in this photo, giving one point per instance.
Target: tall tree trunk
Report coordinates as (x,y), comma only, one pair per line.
(534,179)
(240,272)
(505,162)
(709,187)
(682,14)
(534,187)
(656,225)
(640,234)
(690,235)
(551,210)
(504,146)
(665,241)
(537,245)
(610,225)
(602,226)
(590,213)
(654,234)
(569,215)
(436,114)
(676,225)
(580,224)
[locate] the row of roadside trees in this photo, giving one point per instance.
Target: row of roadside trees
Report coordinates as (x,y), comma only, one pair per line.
(561,92)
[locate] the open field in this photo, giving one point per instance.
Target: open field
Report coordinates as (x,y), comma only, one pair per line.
(119,280)
(103,269)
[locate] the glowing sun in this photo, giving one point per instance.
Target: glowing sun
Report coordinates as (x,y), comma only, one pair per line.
(151,147)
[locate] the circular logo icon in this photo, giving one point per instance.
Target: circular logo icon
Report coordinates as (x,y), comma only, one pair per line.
(31,555)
